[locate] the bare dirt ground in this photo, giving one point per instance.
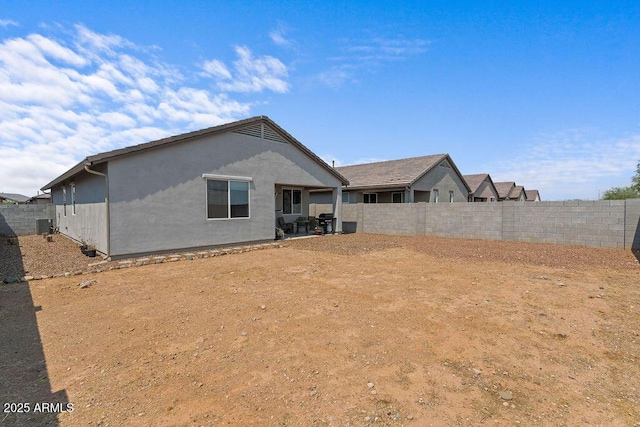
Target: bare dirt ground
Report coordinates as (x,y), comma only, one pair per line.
(347,330)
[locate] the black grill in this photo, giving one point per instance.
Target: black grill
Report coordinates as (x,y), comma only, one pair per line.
(324,219)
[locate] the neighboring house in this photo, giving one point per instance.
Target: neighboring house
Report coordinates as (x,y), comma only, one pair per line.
(13,198)
(517,194)
(532,195)
(40,199)
(432,178)
(482,188)
(504,188)
(509,191)
(221,185)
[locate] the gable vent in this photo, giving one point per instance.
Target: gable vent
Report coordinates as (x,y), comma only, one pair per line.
(253,130)
(271,135)
(445,164)
(260,130)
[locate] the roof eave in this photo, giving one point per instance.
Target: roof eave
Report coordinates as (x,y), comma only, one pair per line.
(68,174)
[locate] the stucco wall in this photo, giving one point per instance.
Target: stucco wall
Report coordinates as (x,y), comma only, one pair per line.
(486,190)
(158,198)
(88,224)
(443,179)
(600,223)
(18,220)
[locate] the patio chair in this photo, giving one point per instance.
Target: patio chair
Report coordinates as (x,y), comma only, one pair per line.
(286,226)
(312,224)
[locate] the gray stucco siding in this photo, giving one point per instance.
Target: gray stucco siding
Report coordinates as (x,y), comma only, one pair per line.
(158,197)
(486,190)
(88,224)
(444,180)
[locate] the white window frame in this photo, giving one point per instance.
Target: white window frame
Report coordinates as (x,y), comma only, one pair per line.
(436,195)
(64,200)
(292,189)
(228,179)
(368,196)
(451,196)
(401,193)
(73,198)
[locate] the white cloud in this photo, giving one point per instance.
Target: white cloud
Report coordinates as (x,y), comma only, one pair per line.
(336,76)
(249,74)
(278,37)
(359,56)
(571,164)
(7,22)
(66,96)
(215,68)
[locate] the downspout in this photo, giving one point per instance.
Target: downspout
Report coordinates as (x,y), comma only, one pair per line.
(106,203)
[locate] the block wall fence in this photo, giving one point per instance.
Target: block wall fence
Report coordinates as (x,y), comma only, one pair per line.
(17,220)
(601,223)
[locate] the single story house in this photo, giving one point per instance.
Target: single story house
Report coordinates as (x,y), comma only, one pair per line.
(13,198)
(504,188)
(432,179)
(40,199)
(517,194)
(532,195)
(216,186)
(509,191)
(482,188)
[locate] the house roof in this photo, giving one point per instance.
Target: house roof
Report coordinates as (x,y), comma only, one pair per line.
(134,149)
(504,188)
(476,180)
(532,194)
(393,173)
(44,196)
(14,197)
(516,192)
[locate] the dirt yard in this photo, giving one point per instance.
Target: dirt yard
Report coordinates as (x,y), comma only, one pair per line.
(350,330)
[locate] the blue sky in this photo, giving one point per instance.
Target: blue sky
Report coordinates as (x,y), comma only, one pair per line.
(546,94)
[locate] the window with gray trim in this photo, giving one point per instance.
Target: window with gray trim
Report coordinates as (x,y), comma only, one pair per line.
(227,199)
(397,197)
(370,197)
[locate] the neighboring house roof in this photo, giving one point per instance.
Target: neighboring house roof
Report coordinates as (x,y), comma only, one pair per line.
(476,180)
(532,195)
(134,149)
(393,173)
(516,193)
(14,197)
(43,196)
(504,188)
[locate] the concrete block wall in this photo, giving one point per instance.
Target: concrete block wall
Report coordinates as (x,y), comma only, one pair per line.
(632,224)
(587,223)
(465,220)
(601,223)
(401,219)
(17,220)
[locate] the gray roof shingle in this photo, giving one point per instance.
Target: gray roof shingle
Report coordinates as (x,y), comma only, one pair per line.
(504,188)
(390,173)
(14,197)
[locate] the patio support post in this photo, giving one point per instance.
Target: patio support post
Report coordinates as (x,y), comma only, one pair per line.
(336,194)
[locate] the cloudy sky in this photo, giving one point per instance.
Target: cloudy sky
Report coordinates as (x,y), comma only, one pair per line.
(546,96)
